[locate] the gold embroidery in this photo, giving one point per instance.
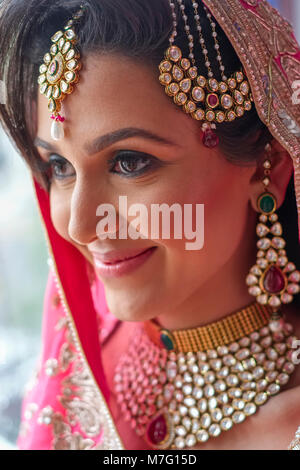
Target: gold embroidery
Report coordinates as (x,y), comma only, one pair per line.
(64,439)
(62,322)
(80,399)
(292,67)
(82,405)
(66,356)
(252,3)
(275,30)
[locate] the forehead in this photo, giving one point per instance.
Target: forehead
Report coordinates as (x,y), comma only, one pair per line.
(113,92)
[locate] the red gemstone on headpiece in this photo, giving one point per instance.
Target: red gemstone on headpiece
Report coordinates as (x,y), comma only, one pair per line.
(157,429)
(212,100)
(210,139)
(274,280)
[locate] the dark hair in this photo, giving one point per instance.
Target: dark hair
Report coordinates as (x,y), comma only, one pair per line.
(138,29)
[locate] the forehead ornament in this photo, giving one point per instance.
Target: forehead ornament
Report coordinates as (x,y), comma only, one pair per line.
(59,71)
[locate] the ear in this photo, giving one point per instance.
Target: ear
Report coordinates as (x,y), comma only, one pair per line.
(280,174)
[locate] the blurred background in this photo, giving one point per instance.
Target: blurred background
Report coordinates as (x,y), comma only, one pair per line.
(23,274)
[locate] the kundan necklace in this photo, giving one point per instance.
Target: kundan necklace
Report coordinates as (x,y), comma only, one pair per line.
(180,388)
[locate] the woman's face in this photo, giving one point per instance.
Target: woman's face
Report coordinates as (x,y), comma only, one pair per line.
(170,165)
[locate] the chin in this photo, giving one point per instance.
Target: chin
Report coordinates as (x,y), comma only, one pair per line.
(133,310)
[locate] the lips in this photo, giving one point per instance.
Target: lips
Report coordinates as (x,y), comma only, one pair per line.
(115,256)
(128,265)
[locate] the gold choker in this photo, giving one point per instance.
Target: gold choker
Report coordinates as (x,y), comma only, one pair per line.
(179,389)
(229,329)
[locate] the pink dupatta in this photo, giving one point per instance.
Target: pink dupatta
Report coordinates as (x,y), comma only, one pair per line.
(65,404)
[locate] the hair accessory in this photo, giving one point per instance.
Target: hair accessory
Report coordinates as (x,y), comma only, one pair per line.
(204,98)
(59,72)
(178,389)
(273,279)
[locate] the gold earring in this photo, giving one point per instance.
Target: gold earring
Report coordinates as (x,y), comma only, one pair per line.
(273,280)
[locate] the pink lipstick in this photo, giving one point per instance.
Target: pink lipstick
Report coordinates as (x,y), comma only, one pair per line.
(115,264)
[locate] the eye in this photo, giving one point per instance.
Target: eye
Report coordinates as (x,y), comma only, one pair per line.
(60,168)
(130,164)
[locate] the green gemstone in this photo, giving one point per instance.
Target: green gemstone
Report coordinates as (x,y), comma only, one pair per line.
(267,204)
(166,340)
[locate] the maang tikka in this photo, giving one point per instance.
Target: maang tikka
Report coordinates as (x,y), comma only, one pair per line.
(59,72)
(273,280)
(204,98)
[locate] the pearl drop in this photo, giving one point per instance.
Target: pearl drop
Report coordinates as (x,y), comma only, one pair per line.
(57,130)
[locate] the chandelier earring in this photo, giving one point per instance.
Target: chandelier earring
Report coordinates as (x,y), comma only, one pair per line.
(273,280)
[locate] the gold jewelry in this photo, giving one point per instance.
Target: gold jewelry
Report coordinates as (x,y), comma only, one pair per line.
(205,99)
(59,72)
(176,399)
(229,329)
(273,279)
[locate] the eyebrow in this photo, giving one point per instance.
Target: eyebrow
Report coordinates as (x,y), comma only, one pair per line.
(104,141)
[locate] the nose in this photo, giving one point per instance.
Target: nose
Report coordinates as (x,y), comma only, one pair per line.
(86,197)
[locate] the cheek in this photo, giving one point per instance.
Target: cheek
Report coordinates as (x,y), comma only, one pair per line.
(60,212)
(226,208)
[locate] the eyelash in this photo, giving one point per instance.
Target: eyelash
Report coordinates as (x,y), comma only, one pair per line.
(120,157)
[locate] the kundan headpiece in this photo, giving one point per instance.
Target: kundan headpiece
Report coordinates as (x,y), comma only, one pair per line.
(59,72)
(204,97)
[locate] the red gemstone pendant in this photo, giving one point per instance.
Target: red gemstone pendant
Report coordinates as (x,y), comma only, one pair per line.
(274,280)
(210,139)
(157,432)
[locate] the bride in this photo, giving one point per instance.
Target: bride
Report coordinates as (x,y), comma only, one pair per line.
(146,344)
